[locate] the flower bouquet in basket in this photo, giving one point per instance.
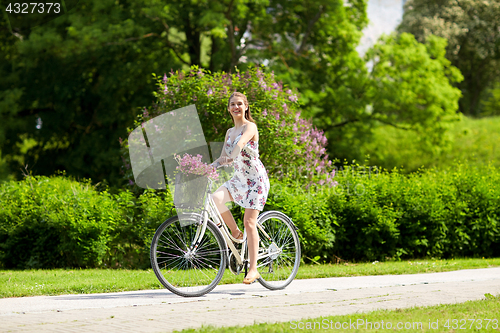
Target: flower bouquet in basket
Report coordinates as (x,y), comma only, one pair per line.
(191,180)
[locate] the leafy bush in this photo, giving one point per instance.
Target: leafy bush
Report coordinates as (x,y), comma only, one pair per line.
(375,215)
(285,138)
(370,215)
(49,222)
(311,214)
(54,222)
(430,213)
(131,240)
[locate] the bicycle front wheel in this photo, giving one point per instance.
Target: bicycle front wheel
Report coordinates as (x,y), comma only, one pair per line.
(182,270)
(279,251)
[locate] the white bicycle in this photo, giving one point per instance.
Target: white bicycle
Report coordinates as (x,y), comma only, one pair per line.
(189,255)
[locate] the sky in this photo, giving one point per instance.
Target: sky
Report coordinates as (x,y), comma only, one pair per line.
(384,16)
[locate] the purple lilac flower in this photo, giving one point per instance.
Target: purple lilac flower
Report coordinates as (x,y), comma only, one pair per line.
(262,84)
(165,78)
(209,92)
(293,98)
(277,116)
(130,182)
(264,113)
(193,165)
(165,91)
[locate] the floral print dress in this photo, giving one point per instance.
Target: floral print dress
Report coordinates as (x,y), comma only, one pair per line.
(249,185)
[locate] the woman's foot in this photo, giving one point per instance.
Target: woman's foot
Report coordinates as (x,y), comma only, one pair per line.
(238,234)
(251,277)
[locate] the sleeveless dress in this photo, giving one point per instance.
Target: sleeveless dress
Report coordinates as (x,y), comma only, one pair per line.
(249,185)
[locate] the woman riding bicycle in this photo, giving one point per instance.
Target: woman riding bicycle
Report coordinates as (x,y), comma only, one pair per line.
(249,185)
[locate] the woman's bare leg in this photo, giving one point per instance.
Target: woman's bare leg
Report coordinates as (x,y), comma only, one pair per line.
(250,221)
(220,197)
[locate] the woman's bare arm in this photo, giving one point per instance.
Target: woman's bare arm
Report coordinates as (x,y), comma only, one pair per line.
(248,132)
(223,152)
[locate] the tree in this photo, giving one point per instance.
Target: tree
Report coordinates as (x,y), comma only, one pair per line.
(472,28)
(71,87)
(412,86)
(409,87)
(84,74)
(289,146)
(491,103)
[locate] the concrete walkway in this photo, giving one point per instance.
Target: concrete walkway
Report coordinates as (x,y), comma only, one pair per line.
(229,305)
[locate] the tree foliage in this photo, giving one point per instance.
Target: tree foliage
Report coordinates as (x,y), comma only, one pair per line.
(288,145)
(472,28)
(72,86)
(409,87)
(82,76)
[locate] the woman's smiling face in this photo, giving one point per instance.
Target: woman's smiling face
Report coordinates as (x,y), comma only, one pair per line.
(237,107)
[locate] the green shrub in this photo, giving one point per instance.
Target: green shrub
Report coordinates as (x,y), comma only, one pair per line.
(375,215)
(50,222)
(54,222)
(131,240)
(370,215)
(310,213)
(431,213)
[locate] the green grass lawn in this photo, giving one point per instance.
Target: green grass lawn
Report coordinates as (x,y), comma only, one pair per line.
(17,283)
(471,316)
(472,140)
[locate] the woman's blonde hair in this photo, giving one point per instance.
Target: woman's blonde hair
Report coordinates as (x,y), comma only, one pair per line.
(248,114)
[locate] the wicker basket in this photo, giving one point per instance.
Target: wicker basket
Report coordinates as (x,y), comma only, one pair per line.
(190,191)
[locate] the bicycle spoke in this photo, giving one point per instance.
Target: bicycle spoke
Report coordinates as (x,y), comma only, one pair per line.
(185,271)
(279,264)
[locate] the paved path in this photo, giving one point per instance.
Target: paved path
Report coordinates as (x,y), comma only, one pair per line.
(229,305)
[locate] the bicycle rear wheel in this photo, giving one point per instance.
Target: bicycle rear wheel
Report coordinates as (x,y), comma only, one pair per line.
(280,252)
(183,271)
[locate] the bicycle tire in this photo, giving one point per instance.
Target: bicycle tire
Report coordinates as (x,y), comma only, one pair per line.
(277,271)
(179,271)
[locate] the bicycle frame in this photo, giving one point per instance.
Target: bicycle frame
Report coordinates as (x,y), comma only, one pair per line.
(210,210)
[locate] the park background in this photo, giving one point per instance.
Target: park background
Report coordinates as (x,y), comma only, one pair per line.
(398,141)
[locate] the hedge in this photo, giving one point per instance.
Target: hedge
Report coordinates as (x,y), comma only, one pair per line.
(371,215)
(380,215)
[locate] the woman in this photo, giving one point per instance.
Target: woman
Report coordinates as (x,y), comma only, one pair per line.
(249,185)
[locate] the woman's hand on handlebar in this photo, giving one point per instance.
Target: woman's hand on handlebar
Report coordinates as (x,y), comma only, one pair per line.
(222,161)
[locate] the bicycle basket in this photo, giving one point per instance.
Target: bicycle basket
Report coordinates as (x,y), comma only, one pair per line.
(190,190)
